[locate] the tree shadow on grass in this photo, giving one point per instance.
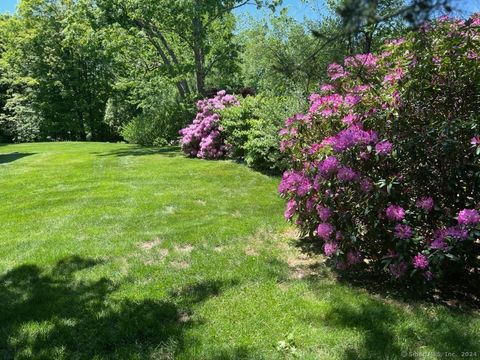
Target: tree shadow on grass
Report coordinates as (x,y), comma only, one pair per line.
(393,330)
(457,291)
(8,158)
(169,151)
(50,314)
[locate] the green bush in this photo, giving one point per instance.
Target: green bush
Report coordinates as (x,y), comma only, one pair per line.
(161,115)
(251,130)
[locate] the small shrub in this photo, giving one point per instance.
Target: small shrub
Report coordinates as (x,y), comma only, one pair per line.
(385,165)
(203,138)
(251,130)
(158,117)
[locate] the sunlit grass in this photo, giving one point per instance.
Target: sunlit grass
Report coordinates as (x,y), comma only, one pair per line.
(108,250)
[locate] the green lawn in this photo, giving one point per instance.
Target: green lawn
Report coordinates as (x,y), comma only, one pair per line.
(113,251)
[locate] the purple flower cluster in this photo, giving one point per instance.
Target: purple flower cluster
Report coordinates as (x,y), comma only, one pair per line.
(403,231)
(328,166)
(469,217)
(295,182)
(384,148)
(343,175)
(368,61)
(420,261)
(324,231)
(352,136)
(203,137)
(425,203)
(395,213)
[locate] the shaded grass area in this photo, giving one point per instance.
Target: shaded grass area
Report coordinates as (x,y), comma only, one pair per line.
(115,251)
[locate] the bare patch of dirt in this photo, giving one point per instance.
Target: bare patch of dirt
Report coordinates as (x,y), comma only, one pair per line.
(184,317)
(149,245)
(219,248)
(291,233)
(186,249)
(180,264)
(302,266)
(251,251)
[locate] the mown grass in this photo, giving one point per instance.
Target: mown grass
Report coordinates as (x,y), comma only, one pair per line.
(113,251)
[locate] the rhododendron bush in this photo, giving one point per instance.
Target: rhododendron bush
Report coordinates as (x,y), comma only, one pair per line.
(385,165)
(203,138)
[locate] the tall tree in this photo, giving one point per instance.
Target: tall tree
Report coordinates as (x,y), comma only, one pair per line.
(59,57)
(183,32)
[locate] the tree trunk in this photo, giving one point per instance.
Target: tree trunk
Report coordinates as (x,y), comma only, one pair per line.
(198,49)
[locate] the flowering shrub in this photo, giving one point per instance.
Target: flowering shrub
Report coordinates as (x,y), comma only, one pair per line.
(203,138)
(385,165)
(245,130)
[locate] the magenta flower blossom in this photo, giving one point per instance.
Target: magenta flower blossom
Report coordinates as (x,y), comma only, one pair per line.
(347,174)
(438,244)
(350,118)
(354,257)
(366,185)
(395,213)
(336,71)
(384,147)
(425,203)
(326,88)
(324,231)
(324,213)
(330,248)
(294,182)
(394,76)
(398,270)
(352,136)
(420,261)
(368,61)
(328,166)
(403,231)
(291,208)
(352,100)
(469,217)
(203,137)
(475,140)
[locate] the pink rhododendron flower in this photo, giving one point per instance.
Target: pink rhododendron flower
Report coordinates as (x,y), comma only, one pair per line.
(368,61)
(366,185)
(203,137)
(330,248)
(425,203)
(328,166)
(395,213)
(336,71)
(291,208)
(398,270)
(327,88)
(324,231)
(468,217)
(420,261)
(403,231)
(324,213)
(346,174)
(350,118)
(384,147)
(353,257)
(438,244)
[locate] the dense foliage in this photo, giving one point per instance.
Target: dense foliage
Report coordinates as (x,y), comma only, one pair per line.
(251,130)
(245,129)
(385,166)
(203,138)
